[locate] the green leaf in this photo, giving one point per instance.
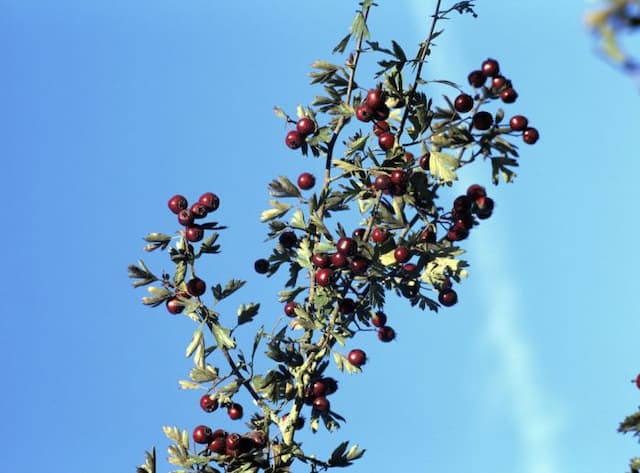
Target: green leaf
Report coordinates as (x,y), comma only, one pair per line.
(297,220)
(221,334)
(181,271)
(342,45)
(398,52)
(343,363)
(442,165)
(278,210)
(188,384)
(246,313)
(232,286)
(197,339)
(203,375)
(142,273)
(280,113)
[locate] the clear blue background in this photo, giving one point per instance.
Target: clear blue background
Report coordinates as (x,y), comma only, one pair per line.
(107,108)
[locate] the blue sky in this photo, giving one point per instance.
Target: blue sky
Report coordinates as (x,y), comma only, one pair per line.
(110,107)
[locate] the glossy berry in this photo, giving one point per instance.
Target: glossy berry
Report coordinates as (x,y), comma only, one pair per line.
(202,434)
(508,95)
(398,177)
(321,404)
(208,404)
(258,439)
(409,158)
(324,277)
(498,82)
(306,181)
(174,306)
(448,297)
(306,126)
(196,287)
(375,98)
(382,113)
(402,254)
(318,388)
(177,203)
(386,141)
(382,182)
(530,135)
(378,235)
(346,246)
(380,128)
(290,309)
(288,239)
(359,265)
(261,266)
(185,217)
(364,113)
(463,103)
(210,201)
(294,139)
(475,191)
(424,161)
(233,441)
(357,357)
(476,79)
(462,204)
(194,233)
(490,67)
(379,319)
(218,444)
(234,411)
(198,210)
(409,268)
(321,260)
(338,260)
(482,120)
(518,122)
(358,233)
(386,334)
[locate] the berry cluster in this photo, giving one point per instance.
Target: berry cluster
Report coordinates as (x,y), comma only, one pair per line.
(304,127)
(316,393)
(499,87)
(178,204)
(210,404)
(230,444)
(375,109)
(474,202)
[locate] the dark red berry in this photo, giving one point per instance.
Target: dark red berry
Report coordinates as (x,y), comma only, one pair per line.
(234,411)
(424,161)
(386,141)
(402,254)
(306,181)
(378,235)
(490,67)
(346,246)
(498,82)
(382,113)
(380,128)
(324,277)
(462,204)
(386,334)
(318,388)
(294,139)
(375,98)
(359,265)
(306,126)
(259,439)
(398,177)
(177,203)
(210,201)
(530,135)
(428,235)
(346,305)
(194,233)
(233,441)
(358,233)
(477,79)
(196,287)
(364,113)
(475,191)
(379,319)
(382,182)
(198,210)
(638,381)
(448,297)
(463,103)
(409,158)
(409,268)
(518,122)
(218,444)
(261,266)
(174,305)
(321,404)
(208,404)
(509,95)
(338,260)
(185,217)
(321,260)
(202,434)
(288,239)
(357,357)
(290,309)
(482,120)
(457,232)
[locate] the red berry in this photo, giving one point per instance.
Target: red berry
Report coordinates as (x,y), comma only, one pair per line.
(490,67)
(457,232)
(306,126)
(402,254)
(409,158)
(358,233)
(235,411)
(185,217)
(338,260)
(477,79)
(386,141)
(177,203)
(261,266)
(288,239)
(379,319)
(259,439)
(509,95)
(482,120)
(462,204)
(386,334)
(498,82)
(378,235)
(382,182)
(448,297)
(424,161)
(290,309)
(357,357)
(194,233)
(382,113)
(210,201)
(463,103)
(321,260)
(428,235)
(380,128)
(398,177)
(474,191)
(208,404)
(324,277)
(318,388)
(638,381)
(409,268)
(306,181)
(364,113)
(359,265)
(198,210)
(518,122)
(294,139)
(321,404)
(530,135)
(346,305)
(174,305)
(375,98)
(202,434)
(196,287)
(218,444)
(346,246)
(233,441)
